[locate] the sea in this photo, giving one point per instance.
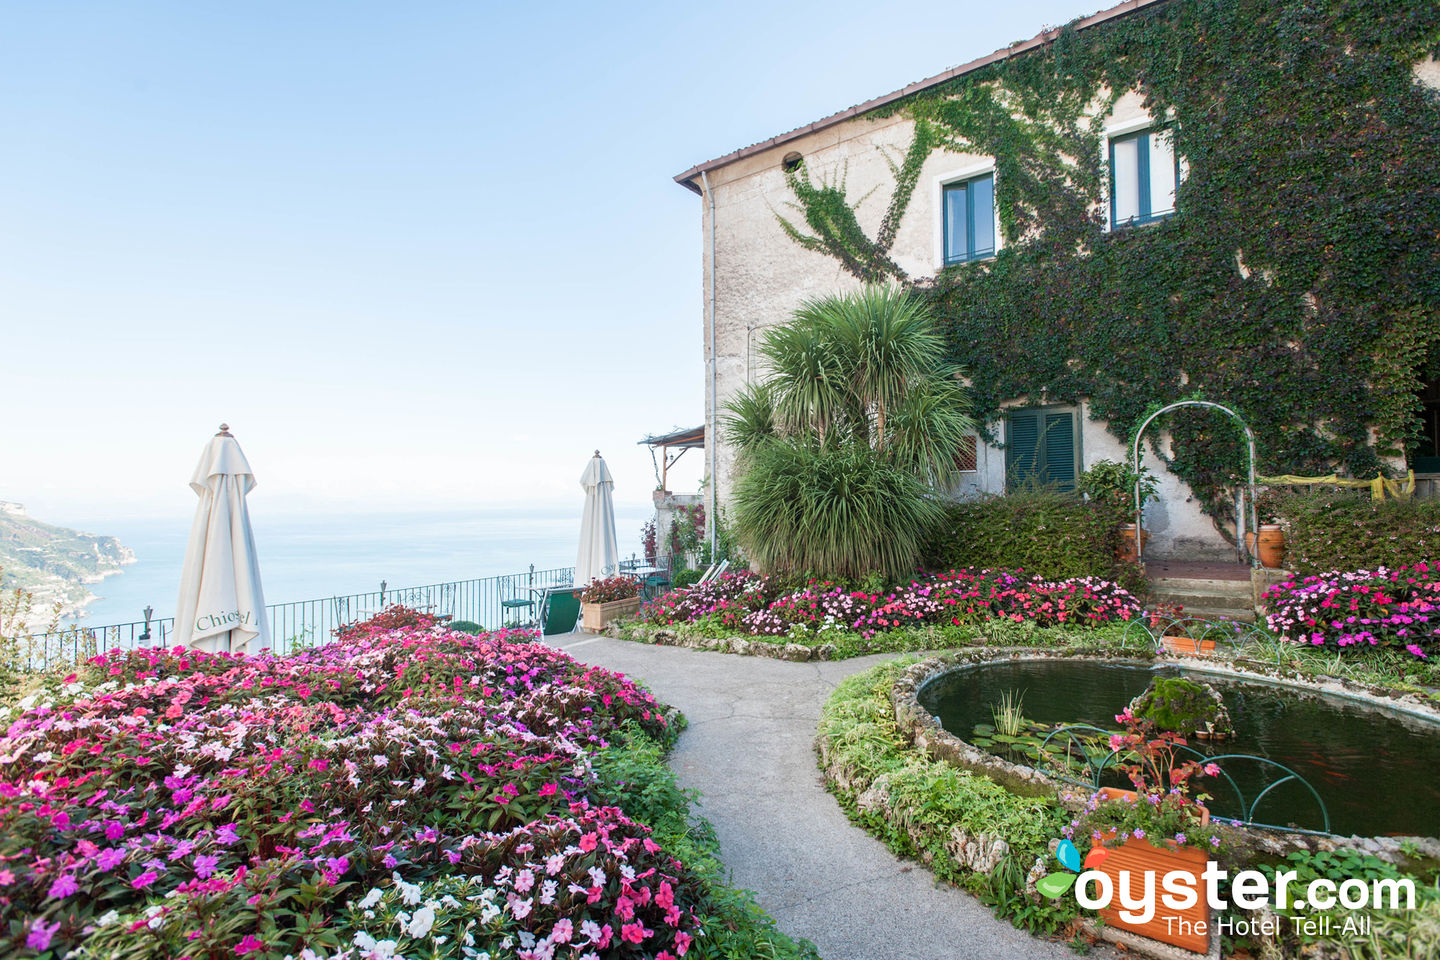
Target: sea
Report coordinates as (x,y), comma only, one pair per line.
(311,556)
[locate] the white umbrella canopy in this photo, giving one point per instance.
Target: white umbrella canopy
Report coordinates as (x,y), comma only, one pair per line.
(222,607)
(599,549)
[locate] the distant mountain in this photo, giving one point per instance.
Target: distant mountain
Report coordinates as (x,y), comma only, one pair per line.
(54,562)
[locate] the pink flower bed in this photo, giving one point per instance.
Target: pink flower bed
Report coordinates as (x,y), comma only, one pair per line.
(204,806)
(1361,609)
(754,605)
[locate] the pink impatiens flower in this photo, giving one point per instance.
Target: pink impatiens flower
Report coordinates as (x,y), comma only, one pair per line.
(635,932)
(250,944)
(40,934)
(63,887)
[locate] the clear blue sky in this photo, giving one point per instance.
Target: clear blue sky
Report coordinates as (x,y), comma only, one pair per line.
(417,254)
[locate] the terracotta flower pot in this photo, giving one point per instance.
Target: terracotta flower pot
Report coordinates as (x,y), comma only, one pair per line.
(1188,646)
(1127,551)
(1180,928)
(1268,544)
(597,616)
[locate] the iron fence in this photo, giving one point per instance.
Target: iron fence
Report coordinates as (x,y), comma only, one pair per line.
(304,622)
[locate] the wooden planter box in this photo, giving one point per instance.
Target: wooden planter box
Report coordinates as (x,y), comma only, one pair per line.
(1188,929)
(596,616)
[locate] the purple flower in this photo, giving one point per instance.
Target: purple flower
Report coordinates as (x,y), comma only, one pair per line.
(40,934)
(205,865)
(109,858)
(145,879)
(226,834)
(63,887)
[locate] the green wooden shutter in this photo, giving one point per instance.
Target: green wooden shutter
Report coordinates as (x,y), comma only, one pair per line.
(1059,450)
(1022,448)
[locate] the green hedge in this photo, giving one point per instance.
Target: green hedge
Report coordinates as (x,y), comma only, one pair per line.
(1045,533)
(1342,530)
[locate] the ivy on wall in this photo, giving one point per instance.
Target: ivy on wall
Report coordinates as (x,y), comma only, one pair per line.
(1299,281)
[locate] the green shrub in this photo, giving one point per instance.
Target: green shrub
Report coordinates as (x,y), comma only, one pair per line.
(839,449)
(686,578)
(1043,532)
(839,508)
(1328,530)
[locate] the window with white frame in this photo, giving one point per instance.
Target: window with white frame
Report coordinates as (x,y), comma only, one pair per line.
(969,213)
(1144,172)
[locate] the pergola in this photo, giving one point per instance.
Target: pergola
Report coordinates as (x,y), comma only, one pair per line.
(677,440)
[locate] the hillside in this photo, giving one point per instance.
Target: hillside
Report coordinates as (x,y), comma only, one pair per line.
(54,562)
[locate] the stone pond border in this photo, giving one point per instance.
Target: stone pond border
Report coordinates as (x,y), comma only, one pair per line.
(923,730)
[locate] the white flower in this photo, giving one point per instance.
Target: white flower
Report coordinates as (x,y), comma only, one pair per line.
(107,918)
(371,898)
(409,892)
(421,923)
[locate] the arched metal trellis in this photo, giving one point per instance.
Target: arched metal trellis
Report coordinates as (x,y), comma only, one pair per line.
(1242,515)
(1096,763)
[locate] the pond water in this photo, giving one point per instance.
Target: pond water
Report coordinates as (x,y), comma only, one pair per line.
(1378,771)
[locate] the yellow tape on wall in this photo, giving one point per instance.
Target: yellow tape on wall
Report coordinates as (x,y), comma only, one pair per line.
(1380,487)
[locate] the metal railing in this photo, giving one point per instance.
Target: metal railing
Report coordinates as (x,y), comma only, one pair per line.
(305,622)
(1093,764)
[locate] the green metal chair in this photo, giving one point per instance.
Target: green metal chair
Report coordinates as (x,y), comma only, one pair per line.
(654,585)
(515,603)
(562,612)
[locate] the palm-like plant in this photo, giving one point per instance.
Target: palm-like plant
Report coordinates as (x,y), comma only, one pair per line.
(858,383)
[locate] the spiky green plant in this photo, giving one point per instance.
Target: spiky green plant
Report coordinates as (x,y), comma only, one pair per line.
(835,509)
(856,380)
(1009,713)
(751,416)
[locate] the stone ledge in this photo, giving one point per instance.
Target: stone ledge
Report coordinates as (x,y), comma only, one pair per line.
(797,652)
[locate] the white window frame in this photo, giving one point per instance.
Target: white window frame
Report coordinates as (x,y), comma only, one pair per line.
(957,175)
(1124,128)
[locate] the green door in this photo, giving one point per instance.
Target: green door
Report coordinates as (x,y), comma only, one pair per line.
(1042,446)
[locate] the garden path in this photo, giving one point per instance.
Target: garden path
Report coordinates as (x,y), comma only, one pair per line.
(748,750)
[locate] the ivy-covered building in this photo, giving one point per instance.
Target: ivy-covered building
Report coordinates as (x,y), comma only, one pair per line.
(1233,200)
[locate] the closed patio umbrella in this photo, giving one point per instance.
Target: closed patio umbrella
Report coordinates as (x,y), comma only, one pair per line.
(599,549)
(221,607)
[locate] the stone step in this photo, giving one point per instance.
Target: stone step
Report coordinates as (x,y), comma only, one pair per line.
(1188,585)
(1209,600)
(1246,615)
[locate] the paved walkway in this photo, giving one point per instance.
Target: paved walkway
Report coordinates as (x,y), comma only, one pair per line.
(748,750)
